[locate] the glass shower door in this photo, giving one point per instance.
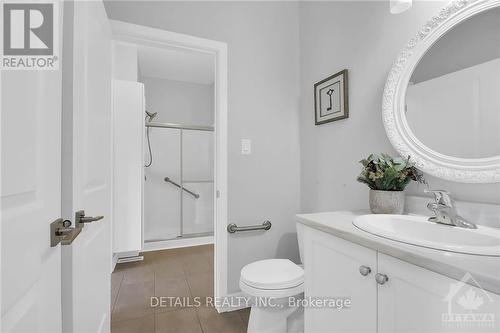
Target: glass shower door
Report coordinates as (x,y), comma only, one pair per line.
(162,200)
(186,157)
(198,177)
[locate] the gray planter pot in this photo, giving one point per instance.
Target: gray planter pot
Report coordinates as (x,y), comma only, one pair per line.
(387,202)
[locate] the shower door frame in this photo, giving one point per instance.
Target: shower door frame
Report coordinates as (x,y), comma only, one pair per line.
(182,239)
(142,35)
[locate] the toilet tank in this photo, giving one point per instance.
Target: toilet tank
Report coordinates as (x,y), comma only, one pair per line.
(300,239)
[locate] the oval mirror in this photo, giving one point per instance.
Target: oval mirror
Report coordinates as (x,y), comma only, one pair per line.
(442,97)
(453,97)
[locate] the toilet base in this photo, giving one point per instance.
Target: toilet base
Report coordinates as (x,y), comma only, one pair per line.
(295,322)
(268,320)
(275,319)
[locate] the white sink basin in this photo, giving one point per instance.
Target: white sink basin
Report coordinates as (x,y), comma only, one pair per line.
(416,230)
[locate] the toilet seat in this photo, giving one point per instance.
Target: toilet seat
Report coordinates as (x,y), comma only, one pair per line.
(275,293)
(272,274)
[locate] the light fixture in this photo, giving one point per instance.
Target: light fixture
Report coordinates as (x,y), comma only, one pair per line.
(399,6)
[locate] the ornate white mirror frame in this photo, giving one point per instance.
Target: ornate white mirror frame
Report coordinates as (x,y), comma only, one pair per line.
(477,170)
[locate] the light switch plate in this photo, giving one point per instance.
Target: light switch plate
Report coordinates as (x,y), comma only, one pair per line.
(246,146)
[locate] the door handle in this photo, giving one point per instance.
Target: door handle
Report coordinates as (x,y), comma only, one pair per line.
(61,232)
(81,219)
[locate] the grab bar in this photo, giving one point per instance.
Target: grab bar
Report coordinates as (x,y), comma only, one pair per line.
(232,228)
(168,180)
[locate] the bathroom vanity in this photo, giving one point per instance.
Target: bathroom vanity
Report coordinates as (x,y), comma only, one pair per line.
(405,273)
(393,286)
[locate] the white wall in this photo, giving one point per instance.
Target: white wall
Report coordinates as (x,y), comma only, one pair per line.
(128,126)
(125,68)
(124,61)
(180,102)
(364,38)
(263,52)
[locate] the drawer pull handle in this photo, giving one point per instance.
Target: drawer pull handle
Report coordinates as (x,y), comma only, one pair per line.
(364,270)
(381,278)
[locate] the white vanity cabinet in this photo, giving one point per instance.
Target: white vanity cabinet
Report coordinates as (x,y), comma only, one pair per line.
(332,271)
(413,299)
(418,300)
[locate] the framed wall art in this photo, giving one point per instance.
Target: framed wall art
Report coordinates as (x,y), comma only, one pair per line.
(331,98)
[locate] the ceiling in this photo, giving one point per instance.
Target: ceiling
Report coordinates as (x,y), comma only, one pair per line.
(176,64)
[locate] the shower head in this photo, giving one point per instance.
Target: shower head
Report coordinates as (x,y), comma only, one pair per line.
(151,115)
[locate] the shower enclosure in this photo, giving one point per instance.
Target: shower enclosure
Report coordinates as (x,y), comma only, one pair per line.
(179,182)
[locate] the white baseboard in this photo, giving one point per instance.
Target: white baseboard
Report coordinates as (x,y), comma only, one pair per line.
(127,254)
(130,259)
(118,256)
(176,243)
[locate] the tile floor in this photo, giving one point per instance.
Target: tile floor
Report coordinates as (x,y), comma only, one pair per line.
(185,272)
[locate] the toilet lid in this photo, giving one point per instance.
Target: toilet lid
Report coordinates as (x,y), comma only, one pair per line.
(272,274)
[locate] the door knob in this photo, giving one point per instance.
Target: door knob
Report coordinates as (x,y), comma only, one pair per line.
(381,278)
(364,270)
(81,219)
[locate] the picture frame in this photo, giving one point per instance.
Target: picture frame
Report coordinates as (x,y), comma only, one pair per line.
(331,100)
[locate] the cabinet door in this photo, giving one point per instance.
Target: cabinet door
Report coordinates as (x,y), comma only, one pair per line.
(415,299)
(332,271)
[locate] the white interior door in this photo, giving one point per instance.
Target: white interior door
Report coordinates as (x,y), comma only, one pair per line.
(30,200)
(87,262)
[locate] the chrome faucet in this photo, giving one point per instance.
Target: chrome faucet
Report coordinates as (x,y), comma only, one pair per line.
(445,211)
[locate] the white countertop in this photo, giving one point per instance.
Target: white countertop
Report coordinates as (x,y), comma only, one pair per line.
(486,270)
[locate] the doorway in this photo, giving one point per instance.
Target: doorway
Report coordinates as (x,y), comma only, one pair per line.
(178,189)
(185,186)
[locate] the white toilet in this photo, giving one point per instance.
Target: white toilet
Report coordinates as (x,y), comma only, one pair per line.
(271,283)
